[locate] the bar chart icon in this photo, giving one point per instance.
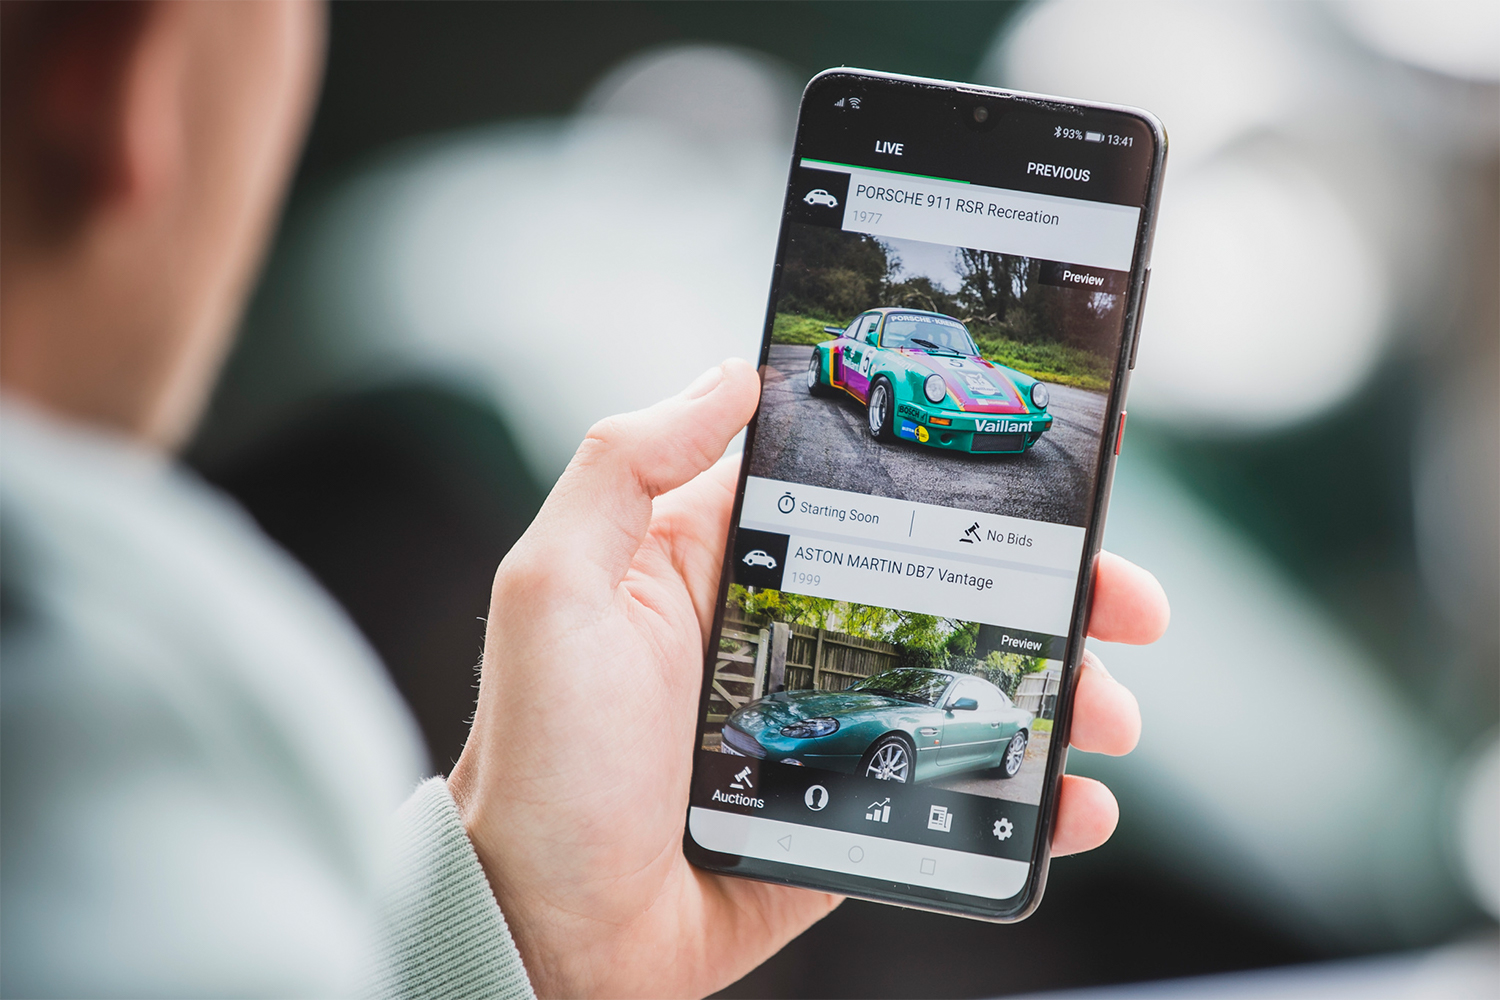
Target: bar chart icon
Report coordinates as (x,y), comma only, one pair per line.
(879,812)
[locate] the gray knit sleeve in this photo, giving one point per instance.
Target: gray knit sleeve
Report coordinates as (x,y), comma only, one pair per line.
(442,933)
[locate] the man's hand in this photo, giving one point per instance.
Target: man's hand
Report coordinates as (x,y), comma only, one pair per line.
(574,783)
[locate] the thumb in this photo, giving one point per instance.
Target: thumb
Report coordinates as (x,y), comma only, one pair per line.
(598,513)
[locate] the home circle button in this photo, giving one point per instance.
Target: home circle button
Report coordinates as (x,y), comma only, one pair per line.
(856,854)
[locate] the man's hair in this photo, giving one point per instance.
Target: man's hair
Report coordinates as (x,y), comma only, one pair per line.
(56,58)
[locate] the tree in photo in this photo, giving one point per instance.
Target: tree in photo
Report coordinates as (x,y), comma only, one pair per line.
(1005,670)
(991,284)
(831,274)
(921,293)
(1003,297)
(925,640)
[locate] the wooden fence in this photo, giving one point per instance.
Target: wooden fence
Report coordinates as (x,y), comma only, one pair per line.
(758,658)
(1037,693)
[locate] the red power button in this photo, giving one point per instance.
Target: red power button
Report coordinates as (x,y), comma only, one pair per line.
(1120,434)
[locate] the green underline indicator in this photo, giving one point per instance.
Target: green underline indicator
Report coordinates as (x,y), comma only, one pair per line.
(808,161)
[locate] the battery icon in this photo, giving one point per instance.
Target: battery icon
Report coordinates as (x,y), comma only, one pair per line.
(1093,137)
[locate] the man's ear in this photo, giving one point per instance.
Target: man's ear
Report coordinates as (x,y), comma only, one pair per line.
(98,84)
(146,155)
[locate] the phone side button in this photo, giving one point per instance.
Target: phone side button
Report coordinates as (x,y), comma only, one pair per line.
(1120,434)
(1140,312)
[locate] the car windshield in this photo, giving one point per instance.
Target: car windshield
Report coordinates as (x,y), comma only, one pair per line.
(911,329)
(914,684)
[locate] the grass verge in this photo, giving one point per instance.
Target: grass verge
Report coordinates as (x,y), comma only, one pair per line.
(1055,363)
(789,328)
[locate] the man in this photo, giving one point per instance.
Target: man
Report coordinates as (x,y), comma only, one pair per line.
(199,754)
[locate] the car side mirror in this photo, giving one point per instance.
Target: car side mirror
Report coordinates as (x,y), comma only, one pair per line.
(963,705)
(872,339)
(837,331)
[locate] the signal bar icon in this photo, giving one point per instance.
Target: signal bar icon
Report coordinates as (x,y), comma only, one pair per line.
(852,103)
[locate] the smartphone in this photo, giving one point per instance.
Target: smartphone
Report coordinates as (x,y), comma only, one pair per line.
(953,318)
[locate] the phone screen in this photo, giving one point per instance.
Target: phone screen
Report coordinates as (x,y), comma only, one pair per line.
(887,687)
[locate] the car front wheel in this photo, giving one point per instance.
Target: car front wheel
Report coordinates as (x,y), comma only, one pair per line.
(815,386)
(881,410)
(890,759)
(1015,756)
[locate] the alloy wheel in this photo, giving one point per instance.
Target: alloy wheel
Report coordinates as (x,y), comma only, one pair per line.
(1015,754)
(890,763)
(877,409)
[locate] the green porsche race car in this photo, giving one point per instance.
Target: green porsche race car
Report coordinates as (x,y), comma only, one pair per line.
(921,378)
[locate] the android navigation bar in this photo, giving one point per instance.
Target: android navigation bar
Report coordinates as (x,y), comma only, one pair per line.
(858,854)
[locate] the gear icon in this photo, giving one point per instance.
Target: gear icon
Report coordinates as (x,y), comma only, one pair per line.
(1003,828)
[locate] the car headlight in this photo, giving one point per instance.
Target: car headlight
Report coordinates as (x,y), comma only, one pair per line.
(810,729)
(935,389)
(1040,395)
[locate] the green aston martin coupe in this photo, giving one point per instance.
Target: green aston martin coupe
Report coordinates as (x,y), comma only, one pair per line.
(921,378)
(907,724)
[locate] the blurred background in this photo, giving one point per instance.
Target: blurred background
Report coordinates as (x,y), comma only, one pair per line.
(512,219)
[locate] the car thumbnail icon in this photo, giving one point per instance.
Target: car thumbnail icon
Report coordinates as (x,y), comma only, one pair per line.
(759,557)
(817,196)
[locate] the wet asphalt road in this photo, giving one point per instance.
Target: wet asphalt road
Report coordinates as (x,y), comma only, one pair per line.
(825,442)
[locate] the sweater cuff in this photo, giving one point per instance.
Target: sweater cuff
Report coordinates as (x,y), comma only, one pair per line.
(443,933)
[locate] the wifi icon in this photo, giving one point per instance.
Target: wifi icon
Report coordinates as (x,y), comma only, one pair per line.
(851,102)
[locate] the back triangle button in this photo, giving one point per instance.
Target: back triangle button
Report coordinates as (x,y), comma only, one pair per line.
(786,842)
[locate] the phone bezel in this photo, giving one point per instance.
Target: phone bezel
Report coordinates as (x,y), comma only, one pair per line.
(1021,905)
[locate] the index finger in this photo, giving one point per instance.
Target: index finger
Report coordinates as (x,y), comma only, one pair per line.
(1129,604)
